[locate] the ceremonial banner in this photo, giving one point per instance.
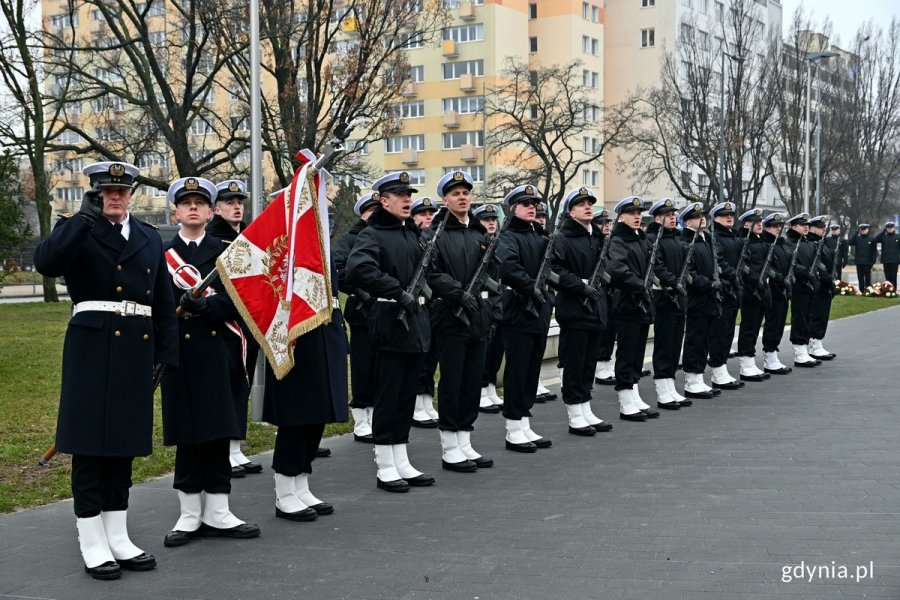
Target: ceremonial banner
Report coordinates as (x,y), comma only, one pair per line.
(276,271)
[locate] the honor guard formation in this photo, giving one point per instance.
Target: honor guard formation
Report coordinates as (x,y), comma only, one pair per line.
(433,286)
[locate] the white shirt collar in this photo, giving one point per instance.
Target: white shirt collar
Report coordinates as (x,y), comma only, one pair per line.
(188,241)
(126,225)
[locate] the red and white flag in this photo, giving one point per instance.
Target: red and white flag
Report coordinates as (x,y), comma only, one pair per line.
(277,271)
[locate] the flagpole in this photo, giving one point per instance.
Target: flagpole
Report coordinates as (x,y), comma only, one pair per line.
(256,183)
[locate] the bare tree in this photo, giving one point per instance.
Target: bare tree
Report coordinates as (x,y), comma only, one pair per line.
(547,126)
(679,127)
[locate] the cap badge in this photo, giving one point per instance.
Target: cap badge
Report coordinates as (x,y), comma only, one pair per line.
(426,202)
(404,177)
(116,170)
(529,190)
(191,184)
(458,176)
(233,187)
(583,192)
(728,206)
(488,209)
(668,203)
(757,212)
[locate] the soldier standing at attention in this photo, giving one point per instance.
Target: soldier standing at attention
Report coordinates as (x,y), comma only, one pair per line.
(604,374)
(540,216)
(864,253)
(890,251)
(123,323)
(197,399)
(728,248)
(776,312)
(755,298)
(383,263)
(424,416)
(805,284)
(821,302)
(490,402)
(227,223)
(580,309)
(526,316)
(356,313)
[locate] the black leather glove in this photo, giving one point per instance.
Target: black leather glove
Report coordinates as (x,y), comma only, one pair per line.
(538,296)
(716,285)
(591,292)
(679,289)
(468,302)
(195,306)
(91,206)
(365,297)
(407,301)
(159,371)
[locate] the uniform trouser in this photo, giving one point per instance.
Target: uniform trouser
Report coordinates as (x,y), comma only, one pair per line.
(697,332)
(801,314)
(396,377)
(668,335)
(821,310)
(295,448)
(773,328)
(890,273)
(752,312)
(864,275)
(631,340)
(459,389)
(721,336)
(607,337)
(100,483)
(493,356)
(362,368)
(524,353)
(203,467)
(425,384)
(578,351)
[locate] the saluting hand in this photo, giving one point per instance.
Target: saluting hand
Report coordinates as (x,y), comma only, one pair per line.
(91,206)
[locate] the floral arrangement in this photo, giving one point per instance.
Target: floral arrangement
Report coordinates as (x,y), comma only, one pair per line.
(882,289)
(844,288)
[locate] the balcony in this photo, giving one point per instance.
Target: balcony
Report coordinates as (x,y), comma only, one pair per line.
(467,82)
(450,119)
(409,89)
(409,156)
(349,25)
(468,153)
(449,49)
(466,10)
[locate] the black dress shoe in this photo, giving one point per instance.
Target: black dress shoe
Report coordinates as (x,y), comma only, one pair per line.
(760,377)
(398,486)
(176,538)
(141,562)
(608,381)
(551,396)
(701,395)
(542,443)
(645,372)
(601,427)
(732,354)
(668,405)
(242,532)
(540,399)
(651,413)
(320,453)
(524,447)
(808,365)
(365,439)
(429,424)
(422,480)
(465,466)
(829,356)
(106,571)
(491,410)
(238,472)
(716,392)
(323,508)
(307,514)
(685,402)
(778,371)
(638,416)
(731,385)
(767,376)
(483,462)
(252,467)
(582,431)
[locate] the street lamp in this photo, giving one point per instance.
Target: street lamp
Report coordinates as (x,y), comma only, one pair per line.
(810,58)
(739,60)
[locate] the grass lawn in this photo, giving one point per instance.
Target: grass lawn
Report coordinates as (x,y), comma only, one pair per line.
(31,339)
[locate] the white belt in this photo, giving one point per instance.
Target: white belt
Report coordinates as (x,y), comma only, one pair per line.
(335,303)
(421,300)
(484,295)
(124,308)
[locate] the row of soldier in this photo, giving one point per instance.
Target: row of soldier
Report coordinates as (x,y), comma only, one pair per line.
(456,293)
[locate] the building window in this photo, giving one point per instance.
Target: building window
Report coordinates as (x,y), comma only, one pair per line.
(585,11)
(240,124)
(416,176)
(595,13)
(411,41)
(393,145)
(720,11)
(686,3)
(595,80)
(703,6)
(595,46)
(648,3)
(70,194)
(702,39)
(532,11)
(590,145)
(456,139)
(417,73)
(590,178)
(451,4)
(533,112)
(455,69)
(476,171)
(410,110)
(648,38)
(465,33)
(532,44)
(463,105)
(533,77)
(591,114)
(687,33)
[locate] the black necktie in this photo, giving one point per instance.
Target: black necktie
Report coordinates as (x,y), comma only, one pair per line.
(191,247)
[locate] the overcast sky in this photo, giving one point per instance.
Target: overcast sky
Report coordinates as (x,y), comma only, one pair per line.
(846,15)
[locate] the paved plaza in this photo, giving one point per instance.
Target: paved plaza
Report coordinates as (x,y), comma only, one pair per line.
(714,501)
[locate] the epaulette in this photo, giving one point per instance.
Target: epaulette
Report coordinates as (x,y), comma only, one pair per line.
(66,215)
(150,225)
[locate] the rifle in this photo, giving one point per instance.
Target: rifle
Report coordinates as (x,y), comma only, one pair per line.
(599,275)
(44,460)
(837,257)
(813,268)
(417,279)
(480,276)
(544,271)
(789,278)
(740,263)
(717,270)
(764,272)
(687,261)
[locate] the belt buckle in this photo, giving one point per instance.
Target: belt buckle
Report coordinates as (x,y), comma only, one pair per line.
(130,308)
